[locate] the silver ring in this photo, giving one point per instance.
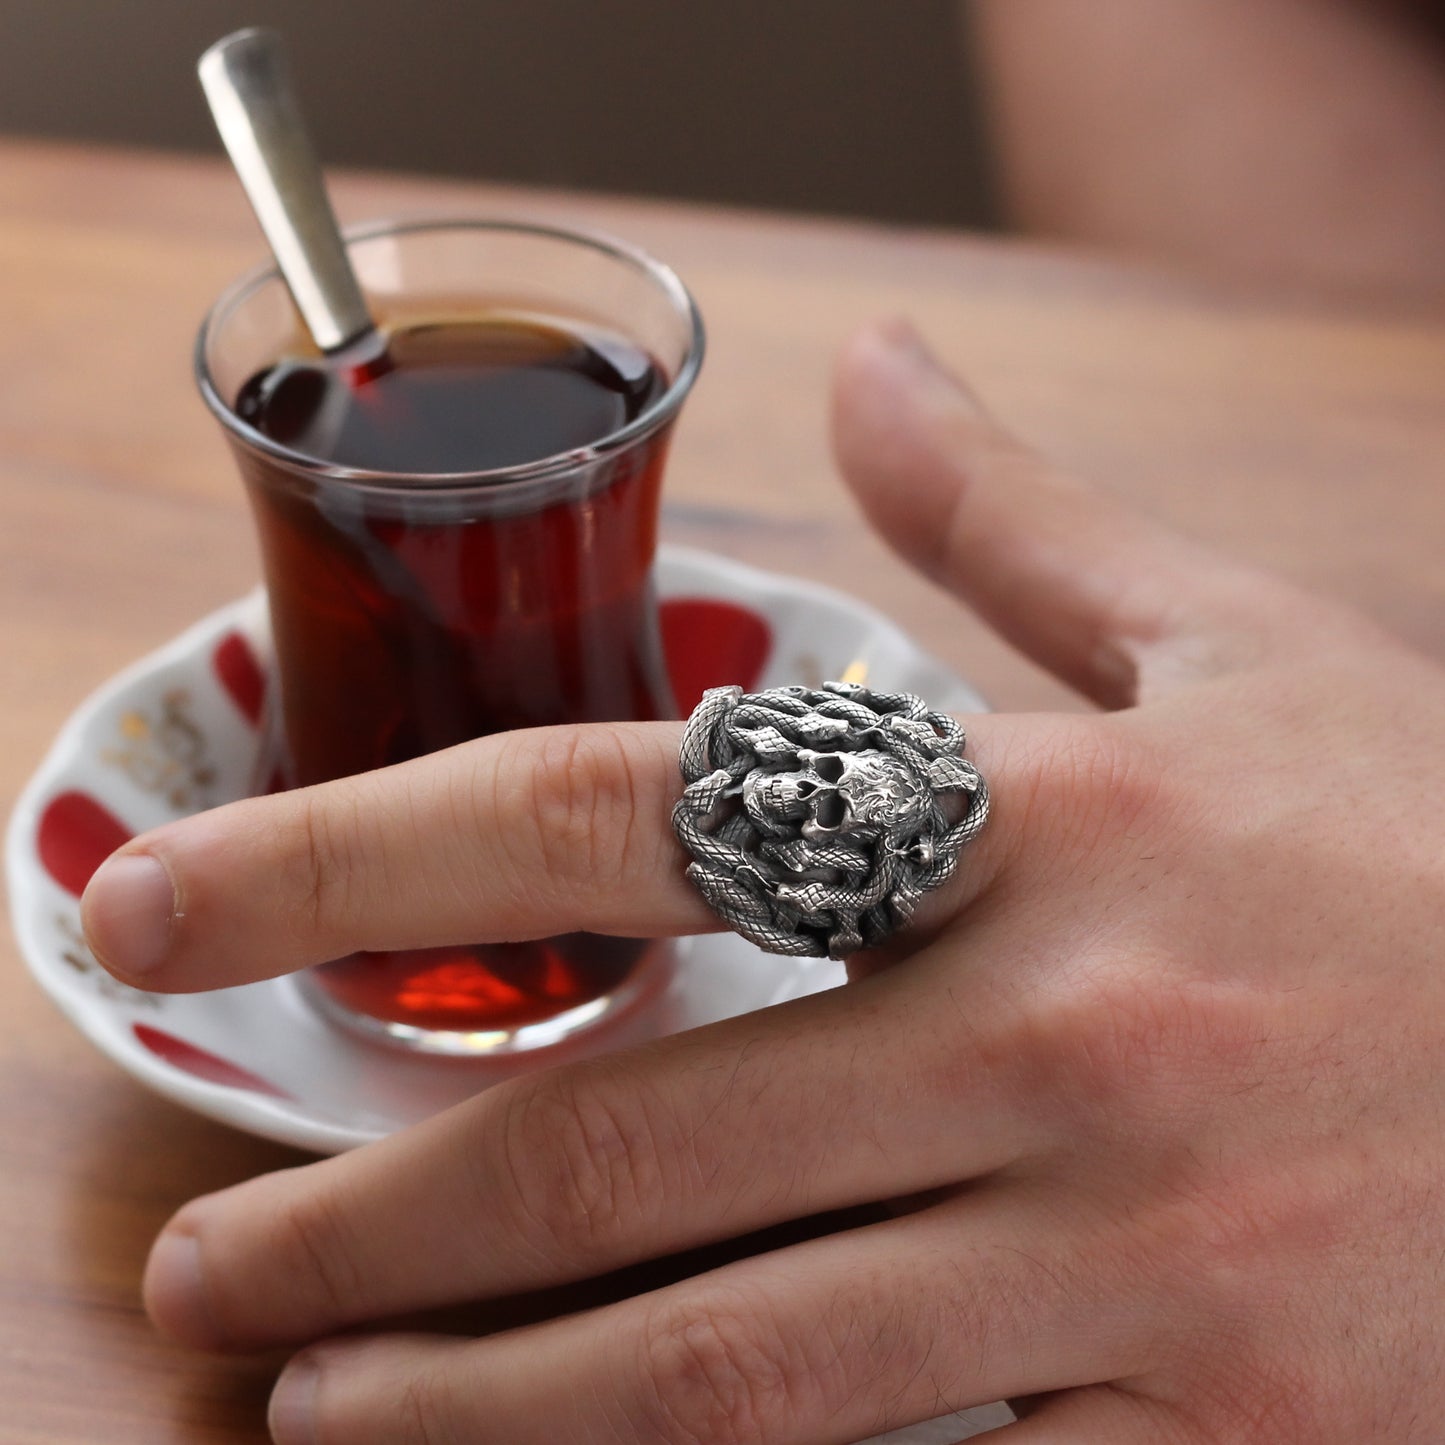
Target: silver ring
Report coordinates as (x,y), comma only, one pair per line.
(816,819)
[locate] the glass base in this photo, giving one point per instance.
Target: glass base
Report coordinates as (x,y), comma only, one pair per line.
(646,981)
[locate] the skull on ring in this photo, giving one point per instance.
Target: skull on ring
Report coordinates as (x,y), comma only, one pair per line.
(847,796)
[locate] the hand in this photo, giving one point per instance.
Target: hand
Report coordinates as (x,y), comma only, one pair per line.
(1159,1074)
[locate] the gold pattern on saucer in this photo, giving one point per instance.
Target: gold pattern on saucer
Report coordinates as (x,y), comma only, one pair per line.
(165,754)
(809,671)
(77,954)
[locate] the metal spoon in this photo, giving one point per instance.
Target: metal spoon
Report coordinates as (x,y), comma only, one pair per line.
(248,86)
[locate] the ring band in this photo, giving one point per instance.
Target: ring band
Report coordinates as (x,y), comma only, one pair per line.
(815,819)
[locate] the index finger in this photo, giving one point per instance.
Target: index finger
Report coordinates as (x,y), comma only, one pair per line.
(518,836)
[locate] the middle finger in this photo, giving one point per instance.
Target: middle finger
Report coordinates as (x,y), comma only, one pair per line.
(840,1099)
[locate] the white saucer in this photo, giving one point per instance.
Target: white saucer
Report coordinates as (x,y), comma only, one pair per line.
(178,732)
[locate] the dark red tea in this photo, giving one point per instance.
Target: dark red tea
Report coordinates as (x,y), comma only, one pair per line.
(420,613)
(456,396)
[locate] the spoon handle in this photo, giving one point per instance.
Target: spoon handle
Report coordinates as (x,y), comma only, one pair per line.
(248,86)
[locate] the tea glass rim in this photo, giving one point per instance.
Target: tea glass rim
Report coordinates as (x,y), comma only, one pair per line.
(656,414)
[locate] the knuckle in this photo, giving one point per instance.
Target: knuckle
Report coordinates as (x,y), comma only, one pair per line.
(1138,1044)
(1100,782)
(308,1244)
(581,805)
(585,1161)
(365,1393)
(326,849)
(426,1409)
(720,1375)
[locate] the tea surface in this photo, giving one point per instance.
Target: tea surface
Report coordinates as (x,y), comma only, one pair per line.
(456,396)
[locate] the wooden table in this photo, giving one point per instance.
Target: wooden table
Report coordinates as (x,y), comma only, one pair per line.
(1306,438)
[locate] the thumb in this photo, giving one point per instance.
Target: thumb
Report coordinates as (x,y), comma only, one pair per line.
(1114,604)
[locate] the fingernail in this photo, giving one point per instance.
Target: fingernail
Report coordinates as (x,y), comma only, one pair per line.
(902,338)
(917,370)
(175,1296)
(292,1415)
(127,910)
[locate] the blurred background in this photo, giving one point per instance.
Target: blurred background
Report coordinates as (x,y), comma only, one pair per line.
(838,106)
(1296,141)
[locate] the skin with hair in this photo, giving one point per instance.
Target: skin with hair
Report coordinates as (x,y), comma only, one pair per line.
(1154,1085)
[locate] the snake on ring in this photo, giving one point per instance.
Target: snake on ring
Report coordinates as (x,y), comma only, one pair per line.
(816,818)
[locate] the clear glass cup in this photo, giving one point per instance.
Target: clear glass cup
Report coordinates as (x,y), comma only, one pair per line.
(412,611)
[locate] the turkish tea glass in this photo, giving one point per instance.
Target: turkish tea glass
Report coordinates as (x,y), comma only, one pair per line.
(414,611)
